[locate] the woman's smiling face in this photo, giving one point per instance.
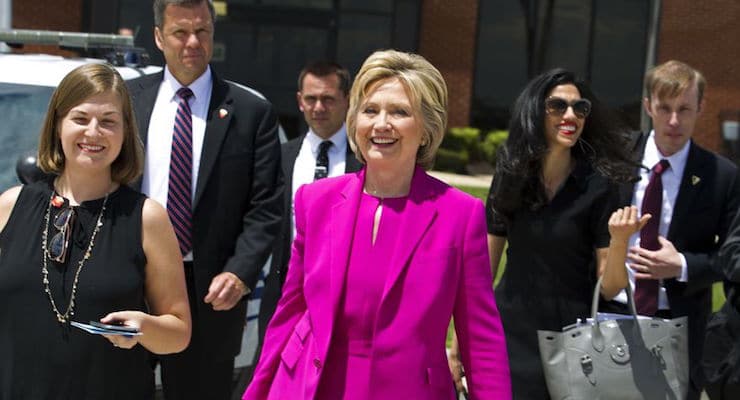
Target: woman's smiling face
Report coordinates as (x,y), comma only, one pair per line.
(389,129)
(92,132)
(563,130)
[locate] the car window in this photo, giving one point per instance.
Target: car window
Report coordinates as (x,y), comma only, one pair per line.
(22,110)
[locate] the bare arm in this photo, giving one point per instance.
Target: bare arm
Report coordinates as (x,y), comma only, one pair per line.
(167,328)
(7,202)
(496,246)
(611,261)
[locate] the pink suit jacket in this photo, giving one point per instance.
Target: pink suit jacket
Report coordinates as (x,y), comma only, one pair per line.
(441,269)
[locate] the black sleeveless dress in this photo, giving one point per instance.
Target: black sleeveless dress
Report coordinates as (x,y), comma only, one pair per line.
(550,269)
(41,358)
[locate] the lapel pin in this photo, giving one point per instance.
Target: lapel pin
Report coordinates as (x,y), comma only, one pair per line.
(222,113)
(695,180)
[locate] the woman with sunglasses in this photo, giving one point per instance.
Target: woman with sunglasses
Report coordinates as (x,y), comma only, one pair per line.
(82,247)
(551,199)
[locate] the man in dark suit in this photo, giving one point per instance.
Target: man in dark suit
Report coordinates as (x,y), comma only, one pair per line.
(700,196)
(231,171)
(323,97)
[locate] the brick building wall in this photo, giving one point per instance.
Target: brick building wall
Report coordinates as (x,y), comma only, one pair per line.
(447,39)
(55,15)
(705,35)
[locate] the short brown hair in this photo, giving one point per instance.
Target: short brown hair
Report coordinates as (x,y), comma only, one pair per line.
(161,5)
(670,79)
(427,91)
(80,84)
(325,68)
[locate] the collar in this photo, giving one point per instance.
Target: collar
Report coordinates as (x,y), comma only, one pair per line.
(339,139)
(581,173)
(199,86)
(652,156)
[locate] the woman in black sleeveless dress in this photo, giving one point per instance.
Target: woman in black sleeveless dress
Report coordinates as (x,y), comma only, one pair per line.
(81,246)
(554,200)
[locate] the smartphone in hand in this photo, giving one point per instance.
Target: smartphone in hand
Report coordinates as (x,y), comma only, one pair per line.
(118,328)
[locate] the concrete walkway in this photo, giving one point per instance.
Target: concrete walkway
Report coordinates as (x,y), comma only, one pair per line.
(480,181)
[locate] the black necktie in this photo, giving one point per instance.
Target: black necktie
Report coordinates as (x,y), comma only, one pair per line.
(322,161)
(646,290)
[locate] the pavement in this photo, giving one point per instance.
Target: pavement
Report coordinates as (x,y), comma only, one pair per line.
(479,181)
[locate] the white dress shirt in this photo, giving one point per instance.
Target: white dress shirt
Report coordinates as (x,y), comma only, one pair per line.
(155,180)
(305,162)
(671,179)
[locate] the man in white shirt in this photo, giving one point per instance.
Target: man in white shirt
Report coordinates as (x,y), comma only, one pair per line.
(698,200)
(212,157)
(323,97)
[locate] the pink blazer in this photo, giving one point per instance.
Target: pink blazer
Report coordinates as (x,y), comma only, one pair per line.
(441,270)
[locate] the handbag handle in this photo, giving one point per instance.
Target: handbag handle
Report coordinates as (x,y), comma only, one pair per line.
(596,335)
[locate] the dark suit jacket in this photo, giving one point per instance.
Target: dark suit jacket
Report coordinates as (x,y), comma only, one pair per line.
(706,204)
(281,253)
(238,199)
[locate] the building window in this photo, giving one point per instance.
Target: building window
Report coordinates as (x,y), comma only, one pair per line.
(601,40)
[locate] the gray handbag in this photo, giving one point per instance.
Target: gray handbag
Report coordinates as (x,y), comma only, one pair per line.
(614,356)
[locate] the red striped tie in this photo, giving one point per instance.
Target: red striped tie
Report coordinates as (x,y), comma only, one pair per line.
(181,166)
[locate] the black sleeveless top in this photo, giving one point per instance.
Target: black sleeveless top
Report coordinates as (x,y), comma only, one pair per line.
(41,358)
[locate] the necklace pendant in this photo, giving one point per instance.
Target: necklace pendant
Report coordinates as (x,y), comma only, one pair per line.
(61,319)
(57,201)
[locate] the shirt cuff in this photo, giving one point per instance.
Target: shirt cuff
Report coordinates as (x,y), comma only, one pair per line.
(684,269)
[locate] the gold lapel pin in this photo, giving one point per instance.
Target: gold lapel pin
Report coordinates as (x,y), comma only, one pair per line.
(695,180)
(222,113)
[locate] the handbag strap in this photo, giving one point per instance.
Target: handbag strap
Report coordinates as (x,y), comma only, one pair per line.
(596,335)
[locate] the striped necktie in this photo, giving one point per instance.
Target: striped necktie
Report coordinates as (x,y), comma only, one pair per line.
(179,193)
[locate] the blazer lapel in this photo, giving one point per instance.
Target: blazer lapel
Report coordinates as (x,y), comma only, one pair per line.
(289,155)
(344,213)
(220,111)
(691,184)
(143,96)
(351,163)
(626,190)
(415,221)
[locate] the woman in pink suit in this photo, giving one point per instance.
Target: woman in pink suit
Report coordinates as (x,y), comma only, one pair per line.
(382,259)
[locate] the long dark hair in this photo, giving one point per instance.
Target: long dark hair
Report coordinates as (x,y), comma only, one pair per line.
(603,144)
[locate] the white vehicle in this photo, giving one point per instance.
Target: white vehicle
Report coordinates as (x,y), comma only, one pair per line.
(27,81)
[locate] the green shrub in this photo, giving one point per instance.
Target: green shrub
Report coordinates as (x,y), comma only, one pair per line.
(451,160)
(463,138)
(491,143)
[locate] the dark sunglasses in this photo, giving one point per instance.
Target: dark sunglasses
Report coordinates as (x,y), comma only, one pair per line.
(558,106)
(60,241)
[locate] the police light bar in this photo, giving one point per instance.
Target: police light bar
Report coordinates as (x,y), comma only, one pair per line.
(19,37)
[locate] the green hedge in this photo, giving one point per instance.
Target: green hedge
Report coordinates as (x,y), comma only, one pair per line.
(451,160)
(464,145)
(491,143)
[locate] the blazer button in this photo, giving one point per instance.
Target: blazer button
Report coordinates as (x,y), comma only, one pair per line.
(317,363)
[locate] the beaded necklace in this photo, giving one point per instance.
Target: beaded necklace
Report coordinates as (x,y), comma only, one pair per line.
(64,318)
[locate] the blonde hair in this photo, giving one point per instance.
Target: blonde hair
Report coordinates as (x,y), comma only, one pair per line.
(79,85)
(670,79)
(426,88)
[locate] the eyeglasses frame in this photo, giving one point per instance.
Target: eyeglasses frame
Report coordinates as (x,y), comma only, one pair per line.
(569,104)
(65,232)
